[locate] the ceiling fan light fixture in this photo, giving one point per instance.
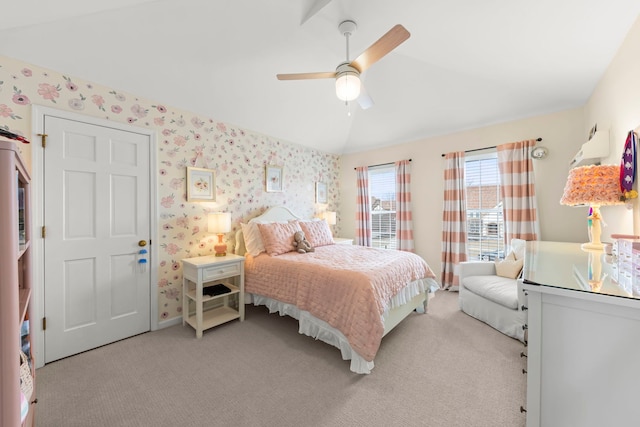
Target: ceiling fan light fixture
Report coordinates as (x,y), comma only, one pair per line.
(347,83)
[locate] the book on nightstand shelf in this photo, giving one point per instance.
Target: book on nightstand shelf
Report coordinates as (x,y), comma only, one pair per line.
(214,290)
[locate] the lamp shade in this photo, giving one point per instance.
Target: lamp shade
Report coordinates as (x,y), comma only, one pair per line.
(219,222)
(593,185)
(330,217)
(348,86)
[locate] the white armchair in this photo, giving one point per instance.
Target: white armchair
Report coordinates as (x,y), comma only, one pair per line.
(497,301)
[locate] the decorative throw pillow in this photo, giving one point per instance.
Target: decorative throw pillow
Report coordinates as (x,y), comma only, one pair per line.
(252,238)
(317,233)
(278,237)
(509,267)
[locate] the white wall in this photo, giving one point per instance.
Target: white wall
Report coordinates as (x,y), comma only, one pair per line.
(615,104)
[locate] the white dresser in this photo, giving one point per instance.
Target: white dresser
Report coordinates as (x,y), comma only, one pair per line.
(584,340)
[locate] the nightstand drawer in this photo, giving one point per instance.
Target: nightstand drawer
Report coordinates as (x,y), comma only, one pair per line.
(214,272)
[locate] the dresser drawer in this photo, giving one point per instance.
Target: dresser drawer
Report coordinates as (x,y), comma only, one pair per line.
(220,271)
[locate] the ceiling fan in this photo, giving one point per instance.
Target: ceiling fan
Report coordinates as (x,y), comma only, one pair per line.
(347,74)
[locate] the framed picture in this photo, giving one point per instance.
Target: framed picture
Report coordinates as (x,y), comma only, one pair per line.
(273,178)
(321,192)
(201,185)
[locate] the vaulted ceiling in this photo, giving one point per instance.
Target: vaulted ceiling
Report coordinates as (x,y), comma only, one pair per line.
(467,64)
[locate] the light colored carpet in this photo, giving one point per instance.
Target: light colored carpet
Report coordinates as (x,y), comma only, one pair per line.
(439,369)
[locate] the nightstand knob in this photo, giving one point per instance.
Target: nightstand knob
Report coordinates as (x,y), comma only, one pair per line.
(524,307)
(522,409)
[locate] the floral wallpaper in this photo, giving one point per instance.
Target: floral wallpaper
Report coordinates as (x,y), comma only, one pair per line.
(184,139)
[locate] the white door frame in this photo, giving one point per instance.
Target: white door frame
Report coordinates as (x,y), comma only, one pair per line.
(38,112)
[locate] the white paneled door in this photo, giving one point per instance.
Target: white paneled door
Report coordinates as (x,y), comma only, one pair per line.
(96,214)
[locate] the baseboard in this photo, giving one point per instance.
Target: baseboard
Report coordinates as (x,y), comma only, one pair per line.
(170,322)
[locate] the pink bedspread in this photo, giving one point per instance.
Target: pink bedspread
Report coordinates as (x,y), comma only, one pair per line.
(347,286)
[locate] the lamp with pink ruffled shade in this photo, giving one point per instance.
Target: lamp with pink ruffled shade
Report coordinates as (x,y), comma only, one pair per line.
(594,186)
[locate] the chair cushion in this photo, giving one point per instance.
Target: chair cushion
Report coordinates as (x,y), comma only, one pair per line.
(498,289)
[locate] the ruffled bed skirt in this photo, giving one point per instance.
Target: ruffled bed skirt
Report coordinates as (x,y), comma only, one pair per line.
(319,329)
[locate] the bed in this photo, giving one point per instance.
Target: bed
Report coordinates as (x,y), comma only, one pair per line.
(347,296)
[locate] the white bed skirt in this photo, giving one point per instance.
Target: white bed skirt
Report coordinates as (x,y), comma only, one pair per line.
(319,329)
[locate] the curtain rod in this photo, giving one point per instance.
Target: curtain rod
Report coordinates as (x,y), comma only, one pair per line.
(486,148)
(381,164)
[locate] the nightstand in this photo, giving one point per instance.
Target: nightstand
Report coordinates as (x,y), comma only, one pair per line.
(202,272)
(342,241)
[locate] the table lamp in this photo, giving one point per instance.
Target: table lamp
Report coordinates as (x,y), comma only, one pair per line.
(220,223)
(330,217)
(593,186)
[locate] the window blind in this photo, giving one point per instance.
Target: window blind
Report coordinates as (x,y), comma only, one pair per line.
(485,223)
(382,189)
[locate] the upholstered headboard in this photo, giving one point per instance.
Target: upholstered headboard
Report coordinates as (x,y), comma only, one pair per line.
(273,214)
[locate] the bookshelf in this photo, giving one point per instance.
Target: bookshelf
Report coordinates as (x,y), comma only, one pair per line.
(15,283)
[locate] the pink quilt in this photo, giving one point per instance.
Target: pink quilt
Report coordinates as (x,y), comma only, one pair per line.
(349,287)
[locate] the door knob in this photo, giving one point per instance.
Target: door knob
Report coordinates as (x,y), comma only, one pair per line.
(142,243)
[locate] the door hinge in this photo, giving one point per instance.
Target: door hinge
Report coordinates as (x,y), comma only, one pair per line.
(44,323)
(44,139)
(44,231)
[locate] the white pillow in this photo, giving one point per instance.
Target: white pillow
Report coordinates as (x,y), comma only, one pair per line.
(518,247)
(252,238)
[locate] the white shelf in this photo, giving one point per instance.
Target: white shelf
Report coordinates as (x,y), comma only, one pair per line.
(234,290)
(214,317)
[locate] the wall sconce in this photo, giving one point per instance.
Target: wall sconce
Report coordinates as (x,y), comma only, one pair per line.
(220,223)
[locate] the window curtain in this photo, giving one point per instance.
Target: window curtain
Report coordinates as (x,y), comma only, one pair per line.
(363,210)
(454,220)
(404,217)
(517,188)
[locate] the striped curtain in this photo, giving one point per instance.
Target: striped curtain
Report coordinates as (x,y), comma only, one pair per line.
(363,209)
(404,220)
(517,188)
(454,220)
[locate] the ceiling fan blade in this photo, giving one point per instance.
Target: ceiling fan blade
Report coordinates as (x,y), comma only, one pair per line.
(306,76)
(364,100)
(385,44)
(315,8)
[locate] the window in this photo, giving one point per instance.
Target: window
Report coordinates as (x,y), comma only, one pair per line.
(382,188)
(485,224)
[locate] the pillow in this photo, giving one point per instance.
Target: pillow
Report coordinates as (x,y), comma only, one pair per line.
(317,233)
(278,237)
(509,267)
(518,247)
(252,238)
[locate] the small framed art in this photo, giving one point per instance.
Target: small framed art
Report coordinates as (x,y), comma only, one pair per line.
(321,192)
(201,185)
(273,178)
